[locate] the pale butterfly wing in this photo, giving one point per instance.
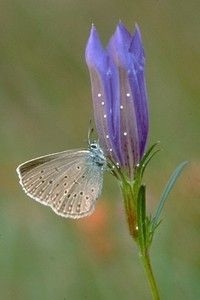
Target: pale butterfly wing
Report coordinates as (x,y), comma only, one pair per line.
(69,182)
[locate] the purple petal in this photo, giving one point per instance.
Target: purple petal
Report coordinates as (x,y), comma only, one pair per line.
(104,90)
(139,90)
(128,139)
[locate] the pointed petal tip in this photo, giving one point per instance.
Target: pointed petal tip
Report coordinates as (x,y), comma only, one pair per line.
(93,31)
(121,29)
(121,25)
(121,35)
(93,28)
(95,54)
(137,32)
(93,40)
(136,46)
(137,27)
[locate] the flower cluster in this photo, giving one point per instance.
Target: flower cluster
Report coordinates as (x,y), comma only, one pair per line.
(119,96)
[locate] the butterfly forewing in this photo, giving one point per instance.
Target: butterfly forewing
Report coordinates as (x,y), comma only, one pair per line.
(69,182)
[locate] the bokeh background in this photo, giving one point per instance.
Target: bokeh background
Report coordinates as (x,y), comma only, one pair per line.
(45,106)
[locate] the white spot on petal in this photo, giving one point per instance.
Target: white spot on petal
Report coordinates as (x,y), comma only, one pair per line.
(125,133)
(128,94)
(107,136)
(110,150)
(121,107)
(102,103)
(105,116)
(99,95)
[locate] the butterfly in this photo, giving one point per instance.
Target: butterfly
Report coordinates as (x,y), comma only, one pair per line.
(69,182)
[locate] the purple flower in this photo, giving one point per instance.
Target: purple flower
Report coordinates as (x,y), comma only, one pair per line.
(119,95)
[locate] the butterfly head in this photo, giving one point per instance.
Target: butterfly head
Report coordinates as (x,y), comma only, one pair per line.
(97,154)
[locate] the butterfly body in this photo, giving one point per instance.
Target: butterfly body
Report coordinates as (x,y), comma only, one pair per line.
(69,181)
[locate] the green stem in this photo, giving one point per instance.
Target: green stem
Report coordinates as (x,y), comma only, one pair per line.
(134,196)
(130,207)
(149,273)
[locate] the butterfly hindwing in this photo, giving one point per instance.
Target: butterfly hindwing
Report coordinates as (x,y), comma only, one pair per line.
(80,198)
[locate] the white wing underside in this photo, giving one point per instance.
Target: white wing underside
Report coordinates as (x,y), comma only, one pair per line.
(69,182)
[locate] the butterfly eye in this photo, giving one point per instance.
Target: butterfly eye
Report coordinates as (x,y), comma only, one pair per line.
(93,146)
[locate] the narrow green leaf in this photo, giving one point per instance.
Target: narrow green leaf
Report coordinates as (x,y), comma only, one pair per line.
(146,159)
(141,215)
(170,184)
(151,155)
(148,153)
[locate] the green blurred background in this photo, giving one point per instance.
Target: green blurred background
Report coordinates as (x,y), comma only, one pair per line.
(45,106)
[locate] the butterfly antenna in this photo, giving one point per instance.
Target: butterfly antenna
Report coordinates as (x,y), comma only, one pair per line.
(90,131)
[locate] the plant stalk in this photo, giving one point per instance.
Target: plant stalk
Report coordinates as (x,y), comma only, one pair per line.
(145,258)
(135,205)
